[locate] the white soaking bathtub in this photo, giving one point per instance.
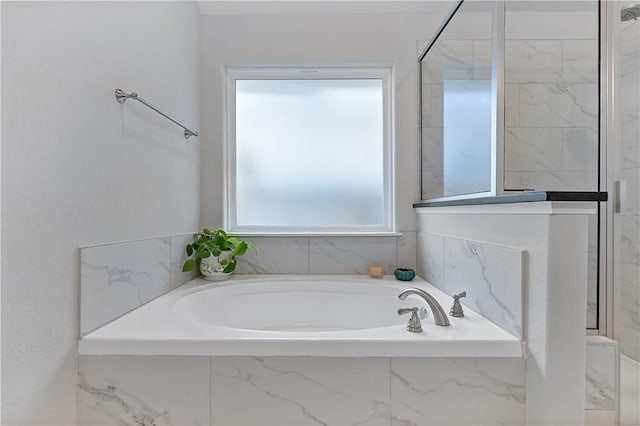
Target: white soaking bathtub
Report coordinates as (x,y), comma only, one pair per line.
(305,315)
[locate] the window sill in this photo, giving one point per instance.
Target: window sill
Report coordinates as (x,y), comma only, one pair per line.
(315,234)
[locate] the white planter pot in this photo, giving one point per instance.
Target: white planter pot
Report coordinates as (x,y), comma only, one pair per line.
(212,269)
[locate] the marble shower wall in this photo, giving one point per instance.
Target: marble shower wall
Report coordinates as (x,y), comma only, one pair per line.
(551,90)
(492,276)
(118,278)
(628,94)
(171,390)
(551,106)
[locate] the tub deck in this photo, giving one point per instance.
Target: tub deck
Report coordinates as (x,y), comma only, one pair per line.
(156,329)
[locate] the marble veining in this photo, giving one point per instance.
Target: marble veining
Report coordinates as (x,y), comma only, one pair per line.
(432,163)
(630,239)
(559,105)
(449,59)
(276,255)
(630,147)
(533,149)
(600,379)
(629,316)
(629,106)
(533,61)
(580,61)
(631,205)
(431,255)
(300,391)
(552,181)
(406,250)
(630,49)
(457,392)
(482,59)
(491,276)
(117,278)
(351,255)
(121,407)
(512,105)
(143,390)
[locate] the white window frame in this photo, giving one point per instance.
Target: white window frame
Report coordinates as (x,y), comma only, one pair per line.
(304,73)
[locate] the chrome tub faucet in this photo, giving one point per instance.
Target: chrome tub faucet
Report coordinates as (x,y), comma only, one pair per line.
(439,315)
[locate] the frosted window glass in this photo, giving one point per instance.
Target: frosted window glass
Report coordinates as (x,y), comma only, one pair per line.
(309,153)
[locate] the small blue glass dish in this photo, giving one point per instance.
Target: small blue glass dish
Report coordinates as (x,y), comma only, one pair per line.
(404,274)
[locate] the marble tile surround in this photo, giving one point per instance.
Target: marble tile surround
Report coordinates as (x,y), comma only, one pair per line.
(551,101)
(492,276)
(252,391)
(457,391)
(601,375)
(117,278)
(300,391)
(149,390)
(328,255)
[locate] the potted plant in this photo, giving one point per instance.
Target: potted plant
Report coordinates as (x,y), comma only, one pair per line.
(215,252)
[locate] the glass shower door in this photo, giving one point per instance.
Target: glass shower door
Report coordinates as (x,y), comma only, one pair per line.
(626,223)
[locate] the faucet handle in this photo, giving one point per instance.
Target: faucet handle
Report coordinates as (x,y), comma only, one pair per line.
(414,325)
(456,309)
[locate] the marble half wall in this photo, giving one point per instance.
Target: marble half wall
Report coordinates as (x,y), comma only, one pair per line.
(118,278)
(492,276)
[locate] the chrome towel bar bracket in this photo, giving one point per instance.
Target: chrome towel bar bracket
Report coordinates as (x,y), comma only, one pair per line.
(122,96)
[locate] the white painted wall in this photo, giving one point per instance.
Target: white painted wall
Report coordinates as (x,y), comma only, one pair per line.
(78,168)
(314,39)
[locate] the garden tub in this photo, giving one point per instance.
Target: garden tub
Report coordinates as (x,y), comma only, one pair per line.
(305,315)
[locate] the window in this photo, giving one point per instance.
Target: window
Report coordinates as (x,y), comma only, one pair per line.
(308,151)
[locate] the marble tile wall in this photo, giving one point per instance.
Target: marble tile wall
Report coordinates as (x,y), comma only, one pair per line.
(328,255)
(628,89)
(143,390)
(117,278)
(551,110)
(457,391)
(601,373)
(299,391)
(551,98)
(492,276)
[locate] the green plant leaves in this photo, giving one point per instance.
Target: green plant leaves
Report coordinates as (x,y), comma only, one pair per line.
(230,267)
(240,249)
(189,265)
(212,243)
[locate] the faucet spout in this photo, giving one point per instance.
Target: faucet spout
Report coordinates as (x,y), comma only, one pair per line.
(439,315)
